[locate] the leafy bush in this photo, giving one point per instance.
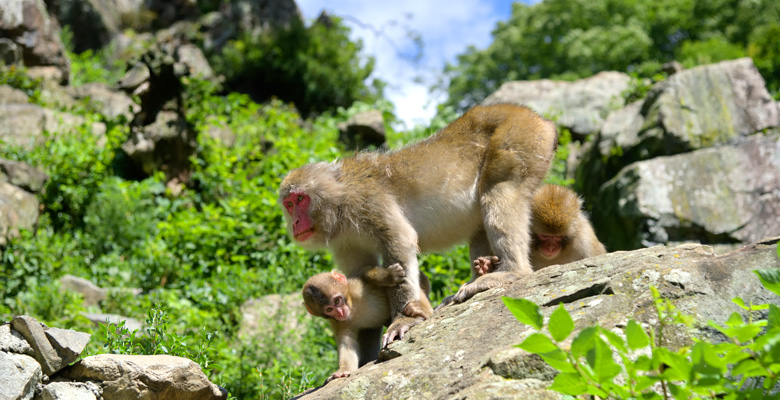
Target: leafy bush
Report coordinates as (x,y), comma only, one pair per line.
(743,367)
(317,67)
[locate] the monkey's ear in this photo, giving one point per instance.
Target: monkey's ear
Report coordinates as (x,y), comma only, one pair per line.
(338,277)
(309,309)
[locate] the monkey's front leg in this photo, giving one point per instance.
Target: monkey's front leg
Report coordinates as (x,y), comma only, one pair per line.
(348,351)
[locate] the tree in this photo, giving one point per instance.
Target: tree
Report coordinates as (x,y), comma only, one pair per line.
(571,39)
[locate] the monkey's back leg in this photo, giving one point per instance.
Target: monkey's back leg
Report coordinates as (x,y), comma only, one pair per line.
(517,159)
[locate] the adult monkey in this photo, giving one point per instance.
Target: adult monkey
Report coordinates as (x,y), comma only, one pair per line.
(473,180)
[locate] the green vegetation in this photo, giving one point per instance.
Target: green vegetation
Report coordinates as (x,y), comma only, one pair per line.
(571,39)
(744,366)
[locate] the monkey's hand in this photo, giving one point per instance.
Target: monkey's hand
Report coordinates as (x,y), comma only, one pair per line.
(415,309)
(398,329)
(482,283)
(396,273)
(337,375)
(447,301)
(485,265)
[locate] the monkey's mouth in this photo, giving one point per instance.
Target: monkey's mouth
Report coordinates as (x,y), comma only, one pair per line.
(302,236)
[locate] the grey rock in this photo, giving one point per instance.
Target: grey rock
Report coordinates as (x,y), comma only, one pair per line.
(131,324)
(9,95)
(68,343)
(19,376)
(110,103)
(438,359)
(728,194)
(24,124)
(284,310)
(164,144)
(363,129)
(10,53)
(27,24)
(18,210)
(12,341)
(145,377)
(700,107)
(93,22)
(197,64)
(22,175)
(580,105)
(33,332)
(92,294)
(70,391)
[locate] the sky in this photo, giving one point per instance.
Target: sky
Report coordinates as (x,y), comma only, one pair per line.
(447,28)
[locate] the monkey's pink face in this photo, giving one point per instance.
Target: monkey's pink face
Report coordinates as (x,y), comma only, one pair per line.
(297,206)
(550,245)
(337,309)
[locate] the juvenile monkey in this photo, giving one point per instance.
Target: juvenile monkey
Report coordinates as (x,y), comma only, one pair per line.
(356,305)
(561,230)
(472,181)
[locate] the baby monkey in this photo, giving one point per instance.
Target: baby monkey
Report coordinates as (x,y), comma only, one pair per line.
(560,230)
(357,306)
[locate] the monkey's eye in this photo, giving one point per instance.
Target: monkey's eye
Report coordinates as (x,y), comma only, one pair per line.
(300,198)
(329,310)
(289,204)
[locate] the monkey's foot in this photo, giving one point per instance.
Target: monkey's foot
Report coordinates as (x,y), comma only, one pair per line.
(447,301)
(398,329)
(485,265)
(337,375)
(483,283)
(415,309)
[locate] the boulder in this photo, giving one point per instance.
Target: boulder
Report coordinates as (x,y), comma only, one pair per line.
(696,108)
(19,376)
(22,175)
(33,35)
(18,210)
(12,341)
(467,350)
(24,124)
(108,102)
(91,293)
(145,377)
(34,333)
(10,95)
(727,194)
(362,130)
(93,22)
(131,324)
(68,343)
(70,391)
(580,105)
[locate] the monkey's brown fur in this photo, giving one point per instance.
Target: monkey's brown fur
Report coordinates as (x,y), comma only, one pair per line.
(472,181)
(370,310)
(557,211)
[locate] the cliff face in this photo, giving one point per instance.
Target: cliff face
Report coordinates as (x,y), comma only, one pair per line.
(466,351)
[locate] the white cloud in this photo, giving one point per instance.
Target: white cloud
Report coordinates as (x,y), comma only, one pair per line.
(447,27)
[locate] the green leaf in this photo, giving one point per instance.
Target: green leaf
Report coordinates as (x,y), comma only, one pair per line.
(600,359)
(636,336)
(558,360)
(569,383)
(525,311)
(734,319)
(561,324)
(749,368)
(770,278)
(615,340)
(741,303)
(583,341)
(773,319)
(538,343)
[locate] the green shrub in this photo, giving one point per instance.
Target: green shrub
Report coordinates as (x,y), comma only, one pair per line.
(743,367)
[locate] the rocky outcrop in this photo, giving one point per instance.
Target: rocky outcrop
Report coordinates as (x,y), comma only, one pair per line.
(25,124)
(30,352)
(697,108)
(362,130)
(729,194)
(579,105)
(19,208)
(32,37)
(466,351)
(93,22)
